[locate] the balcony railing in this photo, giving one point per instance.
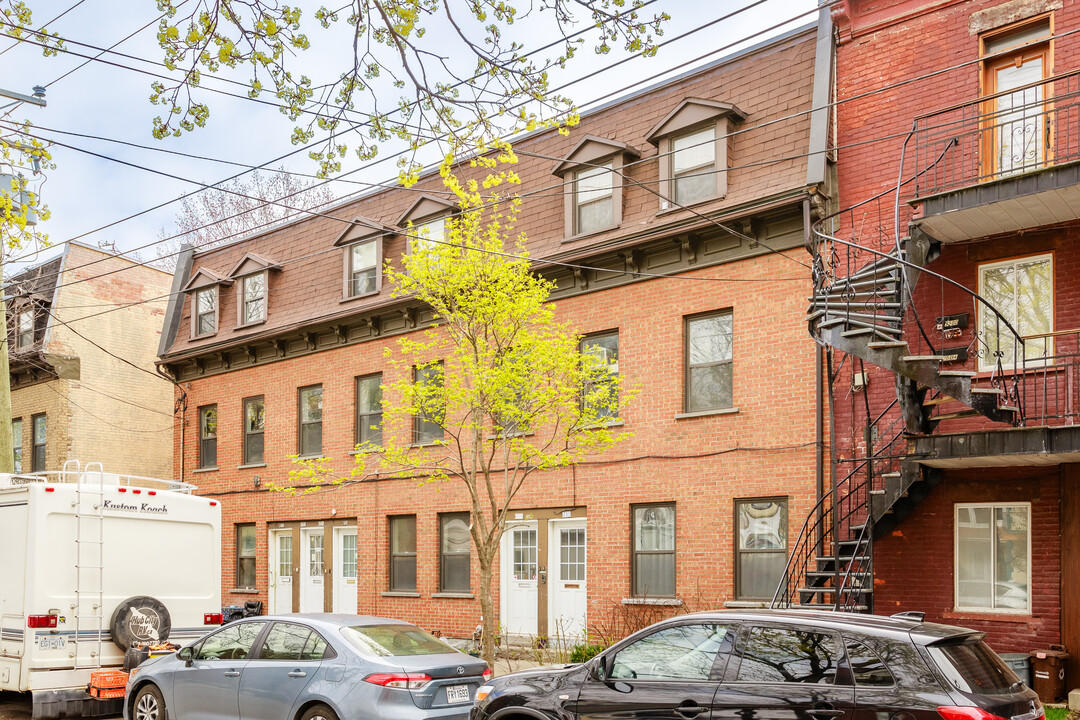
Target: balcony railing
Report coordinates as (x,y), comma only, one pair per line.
(1052,378)
(1000,136)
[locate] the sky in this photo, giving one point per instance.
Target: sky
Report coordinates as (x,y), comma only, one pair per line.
(111,100)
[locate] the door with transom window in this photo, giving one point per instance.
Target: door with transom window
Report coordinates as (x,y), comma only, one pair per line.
(520,577)
(312,570)
(567,590)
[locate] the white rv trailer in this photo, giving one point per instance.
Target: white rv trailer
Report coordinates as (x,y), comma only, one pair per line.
(91,561)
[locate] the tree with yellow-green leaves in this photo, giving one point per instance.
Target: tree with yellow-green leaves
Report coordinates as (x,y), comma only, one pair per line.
(496,393)
(413,71)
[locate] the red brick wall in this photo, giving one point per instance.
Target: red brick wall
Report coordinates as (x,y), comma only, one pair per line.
(700,463)
(914,566)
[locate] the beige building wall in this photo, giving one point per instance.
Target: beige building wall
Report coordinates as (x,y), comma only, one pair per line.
(112,413)
(49,398)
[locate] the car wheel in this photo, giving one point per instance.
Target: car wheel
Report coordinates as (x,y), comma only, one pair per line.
(148,705)
(317,712)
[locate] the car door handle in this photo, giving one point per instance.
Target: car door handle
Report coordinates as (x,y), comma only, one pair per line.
(689,709)
(298,673)
(231,673)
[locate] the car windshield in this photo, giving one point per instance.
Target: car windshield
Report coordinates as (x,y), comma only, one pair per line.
(972,667)
(394,640)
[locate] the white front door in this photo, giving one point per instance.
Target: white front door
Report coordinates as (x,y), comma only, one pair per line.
(519,572)
(345,570)
(566,580)
(283,568)
(311,570)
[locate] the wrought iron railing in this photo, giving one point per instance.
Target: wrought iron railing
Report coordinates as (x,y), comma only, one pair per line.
(1017,131)
(1051,378)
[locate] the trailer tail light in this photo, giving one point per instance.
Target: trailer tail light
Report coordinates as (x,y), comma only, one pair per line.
(41,621)
(212,618)
(487,674)
(406,681)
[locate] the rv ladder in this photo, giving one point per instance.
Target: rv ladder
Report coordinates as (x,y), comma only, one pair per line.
(89,565)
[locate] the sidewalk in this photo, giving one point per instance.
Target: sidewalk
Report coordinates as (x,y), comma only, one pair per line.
(505,666)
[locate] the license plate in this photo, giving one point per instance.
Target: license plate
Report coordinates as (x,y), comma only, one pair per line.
(457,693)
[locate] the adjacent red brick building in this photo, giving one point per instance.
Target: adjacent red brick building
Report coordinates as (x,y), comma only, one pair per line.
(277,342)
(945,287)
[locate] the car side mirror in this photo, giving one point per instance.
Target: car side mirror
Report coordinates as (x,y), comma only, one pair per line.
(603,668)
(187,655)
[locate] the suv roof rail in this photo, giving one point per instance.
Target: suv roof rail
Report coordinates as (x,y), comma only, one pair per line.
(912,615)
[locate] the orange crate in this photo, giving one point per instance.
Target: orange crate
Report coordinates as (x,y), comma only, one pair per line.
(107,679)
(106,693)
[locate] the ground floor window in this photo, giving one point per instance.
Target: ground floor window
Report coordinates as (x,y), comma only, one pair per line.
(760,546)
(653,550)
(993,557)
(245,556)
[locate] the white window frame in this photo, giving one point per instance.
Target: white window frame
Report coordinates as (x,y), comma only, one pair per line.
(600,195)
(676,175)
(242,299)
(195,314)
(20,330)
(957,507)
(988,364)
(418,240)
(351,268)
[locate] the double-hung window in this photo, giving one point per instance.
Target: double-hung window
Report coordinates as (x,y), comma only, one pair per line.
(364,268)
(245,556)
(37,459)
(208,419)
(310,421)
(369,410)
(594,193)
(760,546)
(254,429)
(693,166)
(1022,291)
(403,553)
(993,557)
(206,301)
(25,336)
(652,550)
(601,351)
(423,234)
(16,443)
(253,296)
(454,544)
(709,373)
(430,404)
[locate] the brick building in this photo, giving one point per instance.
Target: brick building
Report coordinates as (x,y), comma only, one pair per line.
(71,400)
(277,342)
(945,288)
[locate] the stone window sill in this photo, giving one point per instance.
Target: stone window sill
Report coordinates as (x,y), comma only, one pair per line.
(252,465)
(459,596)
(245,591)
(375,450)
(205,470)
(990,616)
(392,593)
(667,602)
(706,413)
(746,604)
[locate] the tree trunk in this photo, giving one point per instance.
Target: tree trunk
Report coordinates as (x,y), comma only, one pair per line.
(490,623)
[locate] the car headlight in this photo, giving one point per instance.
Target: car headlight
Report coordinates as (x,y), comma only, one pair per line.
(482,692)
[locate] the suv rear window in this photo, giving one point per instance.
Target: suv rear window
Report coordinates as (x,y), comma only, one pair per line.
(972,667)
(394,640)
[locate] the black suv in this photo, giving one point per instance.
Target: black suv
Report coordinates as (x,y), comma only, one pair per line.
(774,665)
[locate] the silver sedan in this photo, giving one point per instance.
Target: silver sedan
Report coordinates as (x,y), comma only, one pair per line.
(308,667)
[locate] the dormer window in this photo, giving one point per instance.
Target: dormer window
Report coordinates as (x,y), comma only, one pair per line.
(428,216)
(206,303)
(253,289)
(594,173)
(25,334)
(362,243)
(363,268)
(692,144)
(252,273)
(594,192)
(694,166)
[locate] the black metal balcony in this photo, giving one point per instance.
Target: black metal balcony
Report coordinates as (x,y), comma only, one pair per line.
(1000,163)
